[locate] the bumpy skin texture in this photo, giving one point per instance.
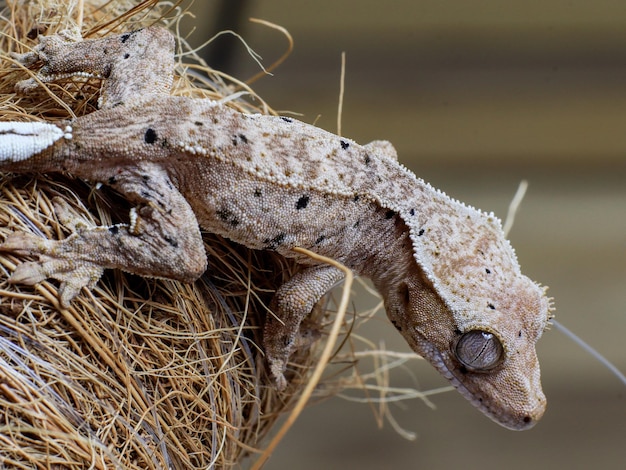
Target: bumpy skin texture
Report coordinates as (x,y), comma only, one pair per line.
(450,280)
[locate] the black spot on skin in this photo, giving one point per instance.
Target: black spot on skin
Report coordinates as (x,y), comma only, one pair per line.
(145,195)
(302,202)
(278,239)
(421,232)
(519,335)
(286,119)
(199,123)
(112,181)
(357,223)
(239,137)
(412,212)
(228,216)
(126,56)
(125,37)
(488,271)
(344,144)
(145,178)
(150,136)
(389,214)
(356,198)
(114,229)
(106,73)
(258,192)
(491,306)
(320,239)
(275,242)
(367,159)
(171,241)
(224,214)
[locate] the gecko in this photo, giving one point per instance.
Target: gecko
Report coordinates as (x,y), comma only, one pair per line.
(449,278)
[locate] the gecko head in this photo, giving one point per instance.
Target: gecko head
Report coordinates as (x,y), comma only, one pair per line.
(487,351)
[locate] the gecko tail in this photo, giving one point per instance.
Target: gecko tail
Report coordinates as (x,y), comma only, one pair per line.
(21,140)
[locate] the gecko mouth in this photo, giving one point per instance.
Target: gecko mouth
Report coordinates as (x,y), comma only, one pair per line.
(508,421)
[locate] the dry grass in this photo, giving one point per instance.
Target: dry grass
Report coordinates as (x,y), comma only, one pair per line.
(138,373)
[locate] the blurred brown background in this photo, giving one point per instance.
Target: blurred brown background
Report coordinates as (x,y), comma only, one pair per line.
(477,96)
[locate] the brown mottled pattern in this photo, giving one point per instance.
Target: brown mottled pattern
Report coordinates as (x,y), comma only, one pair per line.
(450,280)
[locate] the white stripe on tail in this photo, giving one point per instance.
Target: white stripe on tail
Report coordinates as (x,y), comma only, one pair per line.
(21,140)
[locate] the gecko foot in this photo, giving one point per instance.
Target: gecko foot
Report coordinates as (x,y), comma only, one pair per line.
(54,261)
(278,356)
(277,370)
(50,52)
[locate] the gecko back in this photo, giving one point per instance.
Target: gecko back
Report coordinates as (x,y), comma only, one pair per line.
(450,280)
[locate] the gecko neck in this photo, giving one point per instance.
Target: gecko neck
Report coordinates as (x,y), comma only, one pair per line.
(393,260)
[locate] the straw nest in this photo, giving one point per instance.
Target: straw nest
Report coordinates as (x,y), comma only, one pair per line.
(138,373)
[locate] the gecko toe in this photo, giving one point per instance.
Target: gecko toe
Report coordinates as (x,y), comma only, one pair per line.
(277,369)
(28,273)
(67,291)
(24,244)
(73,275)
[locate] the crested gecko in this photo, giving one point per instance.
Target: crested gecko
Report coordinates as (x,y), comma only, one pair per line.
(450,280)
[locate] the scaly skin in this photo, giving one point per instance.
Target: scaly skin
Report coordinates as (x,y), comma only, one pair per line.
(450,280)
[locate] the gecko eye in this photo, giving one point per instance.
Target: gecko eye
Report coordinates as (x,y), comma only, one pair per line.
(479,350)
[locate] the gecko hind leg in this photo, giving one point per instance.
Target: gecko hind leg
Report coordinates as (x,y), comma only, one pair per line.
(133,64)
(162,240)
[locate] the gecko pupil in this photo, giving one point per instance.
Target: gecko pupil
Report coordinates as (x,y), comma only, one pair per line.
(479,351)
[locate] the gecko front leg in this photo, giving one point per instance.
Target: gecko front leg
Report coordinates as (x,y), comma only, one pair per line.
(292,302)
(162,240)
